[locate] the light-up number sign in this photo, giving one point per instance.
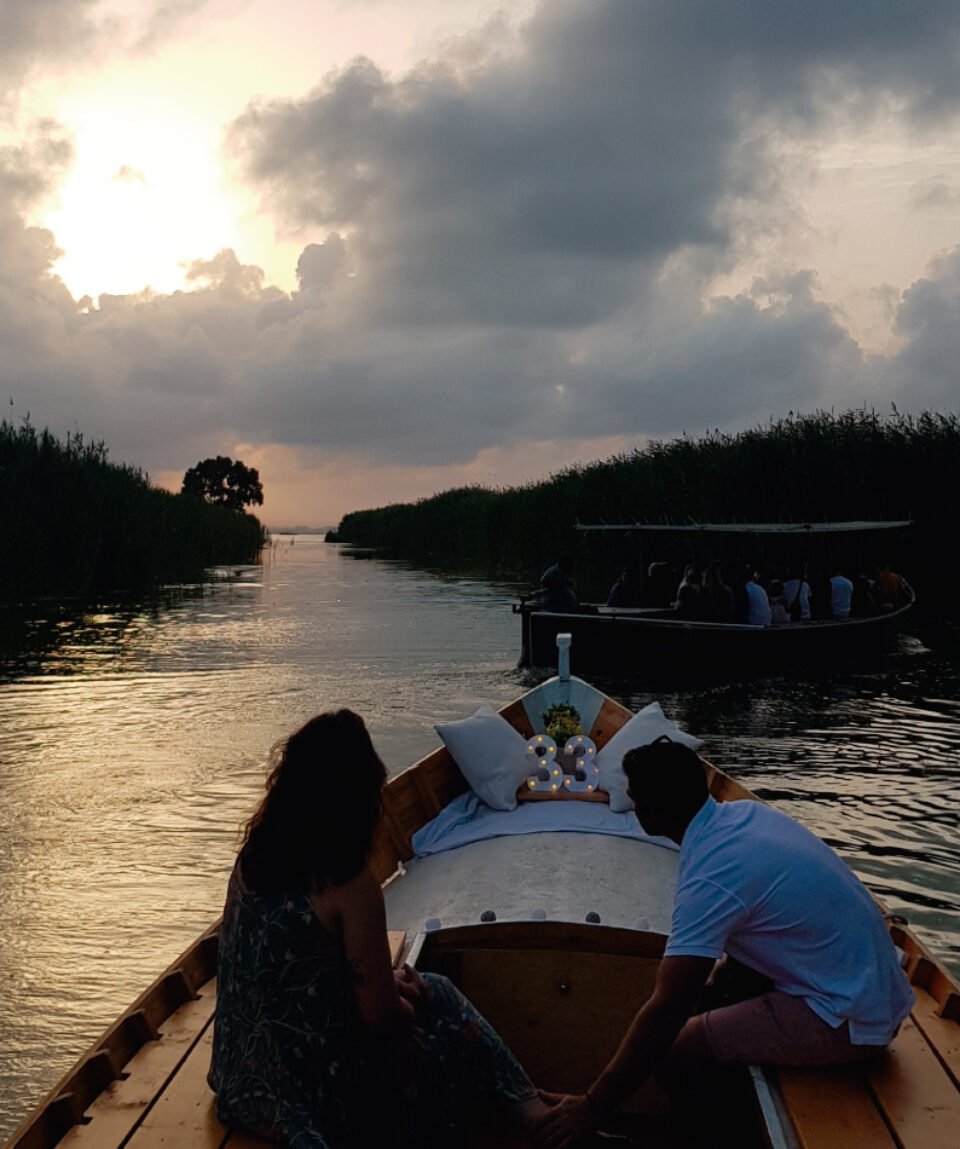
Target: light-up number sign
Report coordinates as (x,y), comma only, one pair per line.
(584,753)
(548,776)
(542,755)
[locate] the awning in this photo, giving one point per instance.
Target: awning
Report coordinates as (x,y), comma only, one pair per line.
(752,528)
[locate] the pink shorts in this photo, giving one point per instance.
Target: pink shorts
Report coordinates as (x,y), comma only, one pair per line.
(773,1029)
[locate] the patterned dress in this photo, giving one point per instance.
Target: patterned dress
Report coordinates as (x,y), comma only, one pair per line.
(292,1061)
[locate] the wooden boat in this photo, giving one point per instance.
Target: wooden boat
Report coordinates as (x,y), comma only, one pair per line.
(619,638)
(560,988)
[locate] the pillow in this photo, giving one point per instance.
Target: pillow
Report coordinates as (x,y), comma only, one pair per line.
(492,756)
(646,725)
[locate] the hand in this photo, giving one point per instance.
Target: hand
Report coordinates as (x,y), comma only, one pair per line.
(571,1117)
(410,985)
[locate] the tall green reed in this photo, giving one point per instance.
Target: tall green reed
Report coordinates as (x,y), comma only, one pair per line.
(73,523)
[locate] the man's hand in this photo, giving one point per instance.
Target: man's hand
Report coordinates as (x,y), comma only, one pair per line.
(570,1118)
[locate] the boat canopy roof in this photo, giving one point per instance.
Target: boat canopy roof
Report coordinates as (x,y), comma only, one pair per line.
(752,528)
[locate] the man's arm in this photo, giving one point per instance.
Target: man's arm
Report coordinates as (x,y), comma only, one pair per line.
(679,986)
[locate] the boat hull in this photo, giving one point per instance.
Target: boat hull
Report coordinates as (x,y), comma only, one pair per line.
(632,640)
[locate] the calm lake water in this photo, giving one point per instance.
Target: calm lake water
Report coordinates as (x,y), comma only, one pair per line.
(132,745)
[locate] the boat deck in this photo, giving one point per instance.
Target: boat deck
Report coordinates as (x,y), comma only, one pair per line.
(561,876)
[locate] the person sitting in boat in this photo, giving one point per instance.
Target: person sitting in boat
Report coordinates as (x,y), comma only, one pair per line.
(841,595)
(758,604)
(687,603)
(626,591)
(890,590)
(754,885)
(317,1040)
(716,597)
(658,588)
(863,601)
(778,604)
(796,592)
(557,589)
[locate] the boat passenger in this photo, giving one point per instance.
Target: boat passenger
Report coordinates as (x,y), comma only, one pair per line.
(626,591)
(890,590)
(717,598)
(841,595)
(796,592)
(658,588)
(758,604)
(557,589)
(687,603)
(778,604)
(754,885)
(863,602)
(317,1040)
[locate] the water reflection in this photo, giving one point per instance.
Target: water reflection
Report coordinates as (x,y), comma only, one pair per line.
(132,740)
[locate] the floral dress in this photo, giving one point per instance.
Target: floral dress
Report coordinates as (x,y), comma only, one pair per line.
(292,1061)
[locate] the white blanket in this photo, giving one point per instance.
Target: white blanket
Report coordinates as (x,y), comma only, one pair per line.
(467,819)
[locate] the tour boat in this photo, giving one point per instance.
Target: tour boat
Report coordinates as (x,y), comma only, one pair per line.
(608,638)
(554,926)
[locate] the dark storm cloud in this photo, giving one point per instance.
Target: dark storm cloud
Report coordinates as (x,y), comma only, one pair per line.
(534,187)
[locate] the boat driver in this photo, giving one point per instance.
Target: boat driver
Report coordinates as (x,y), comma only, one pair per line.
(754,885)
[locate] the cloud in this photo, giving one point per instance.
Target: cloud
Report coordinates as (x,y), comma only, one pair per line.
(504,247)
(923,374)
(934,194)
(127,174)
(165,19)
(42,31)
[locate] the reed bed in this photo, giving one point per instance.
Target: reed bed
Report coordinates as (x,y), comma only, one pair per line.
(74,524)
(802,468)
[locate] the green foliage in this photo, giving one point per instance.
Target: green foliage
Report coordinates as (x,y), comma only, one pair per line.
(562,722)
(224,483)
(73,523)
(807,468)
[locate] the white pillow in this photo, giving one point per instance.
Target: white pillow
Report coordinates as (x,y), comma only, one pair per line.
(645,726)
(492,756)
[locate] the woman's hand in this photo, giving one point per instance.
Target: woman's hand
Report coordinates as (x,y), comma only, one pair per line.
(571,1117)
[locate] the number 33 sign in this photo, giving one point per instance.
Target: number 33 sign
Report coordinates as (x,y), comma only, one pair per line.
(548,775)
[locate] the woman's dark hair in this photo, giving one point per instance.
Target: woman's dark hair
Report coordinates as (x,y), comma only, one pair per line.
(668,775)
(316,822)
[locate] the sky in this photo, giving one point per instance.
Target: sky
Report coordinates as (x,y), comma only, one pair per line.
(380,248)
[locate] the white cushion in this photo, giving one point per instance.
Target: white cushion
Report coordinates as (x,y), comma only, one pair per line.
(492,756)
(642,729)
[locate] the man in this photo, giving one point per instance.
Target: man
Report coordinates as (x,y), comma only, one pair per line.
(757,886)
(841,595)
(758,605)
(557,587)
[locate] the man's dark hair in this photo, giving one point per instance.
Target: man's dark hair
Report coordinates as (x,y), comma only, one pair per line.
(667,775)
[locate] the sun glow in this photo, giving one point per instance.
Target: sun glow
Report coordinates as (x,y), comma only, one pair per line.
(144,197)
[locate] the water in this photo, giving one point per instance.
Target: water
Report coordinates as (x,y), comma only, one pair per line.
(132,745)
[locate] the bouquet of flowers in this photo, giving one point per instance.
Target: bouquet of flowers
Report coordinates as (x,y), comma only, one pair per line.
(561,722)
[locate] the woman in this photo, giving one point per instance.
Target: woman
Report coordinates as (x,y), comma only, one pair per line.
(317,1041)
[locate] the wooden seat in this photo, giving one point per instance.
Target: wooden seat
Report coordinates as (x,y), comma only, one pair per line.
(906,1098)
(162,1099)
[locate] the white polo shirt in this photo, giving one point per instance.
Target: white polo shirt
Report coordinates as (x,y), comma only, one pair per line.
(755,884)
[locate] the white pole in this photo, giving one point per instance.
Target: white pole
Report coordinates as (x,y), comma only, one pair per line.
(563,658)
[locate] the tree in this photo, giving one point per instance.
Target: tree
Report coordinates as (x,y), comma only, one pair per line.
(224,482)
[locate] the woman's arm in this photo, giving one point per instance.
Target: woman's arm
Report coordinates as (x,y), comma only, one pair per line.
(359,906)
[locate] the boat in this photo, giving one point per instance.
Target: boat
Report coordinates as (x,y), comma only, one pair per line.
(556,936)
(623,638)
